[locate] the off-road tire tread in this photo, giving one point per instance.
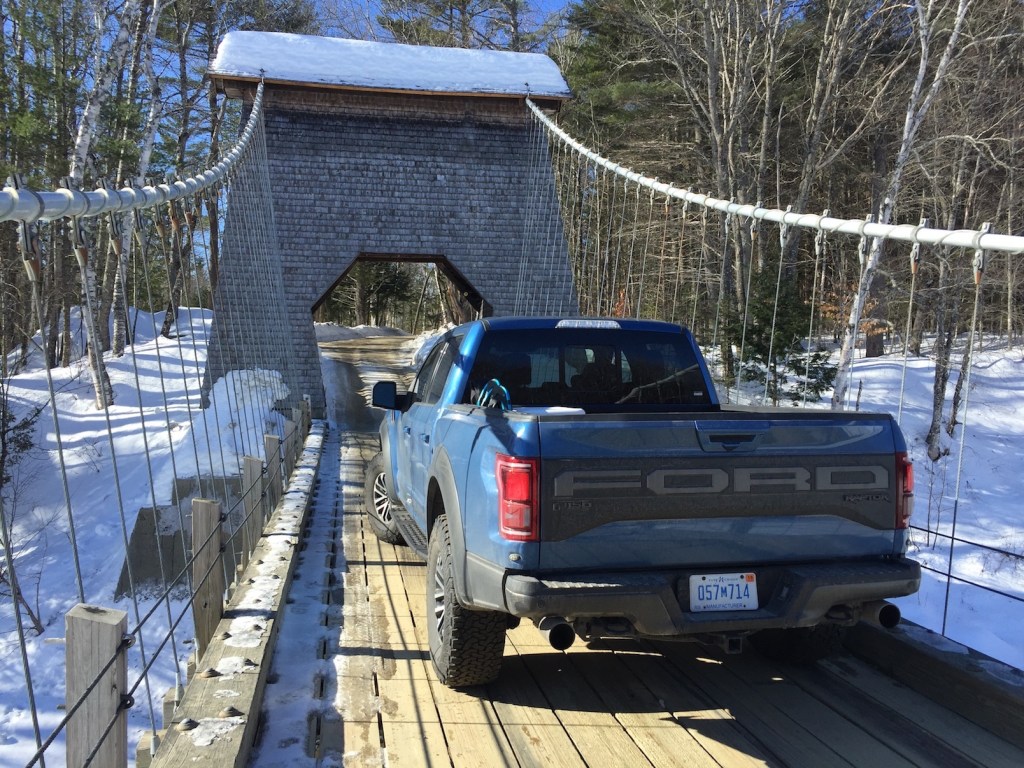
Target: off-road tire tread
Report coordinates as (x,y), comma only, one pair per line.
(475,643)
(387,532)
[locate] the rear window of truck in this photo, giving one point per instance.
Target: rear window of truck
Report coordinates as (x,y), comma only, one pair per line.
(596,369)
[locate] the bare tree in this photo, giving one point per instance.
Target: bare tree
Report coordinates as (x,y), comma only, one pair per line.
(929,81)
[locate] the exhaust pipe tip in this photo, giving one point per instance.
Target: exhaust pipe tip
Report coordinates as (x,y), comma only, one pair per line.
(557,631)
(882,613)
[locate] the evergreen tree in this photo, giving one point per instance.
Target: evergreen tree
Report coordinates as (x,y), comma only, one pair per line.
(777,353)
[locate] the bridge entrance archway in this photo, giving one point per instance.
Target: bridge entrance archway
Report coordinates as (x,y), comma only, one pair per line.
(464,300)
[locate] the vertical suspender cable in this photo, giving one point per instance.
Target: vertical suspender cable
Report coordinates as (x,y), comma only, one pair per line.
(979,273)
(8,546)
(659,306)
(721,293)
(32,257)
(915,263)
(770,362)
(700,264)
(746,316)
(820,249)
(81,253)
(646,251)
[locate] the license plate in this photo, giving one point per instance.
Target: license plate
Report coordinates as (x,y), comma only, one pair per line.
(723,592)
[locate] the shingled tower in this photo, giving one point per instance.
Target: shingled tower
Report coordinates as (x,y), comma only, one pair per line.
(389,151)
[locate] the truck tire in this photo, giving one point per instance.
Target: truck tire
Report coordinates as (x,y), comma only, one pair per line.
(466,647)
(801,645)
(379,504)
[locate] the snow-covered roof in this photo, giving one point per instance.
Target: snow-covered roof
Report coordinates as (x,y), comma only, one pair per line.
(359,64)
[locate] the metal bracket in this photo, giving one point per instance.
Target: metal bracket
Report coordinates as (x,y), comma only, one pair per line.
(28,237)
(915,249)
(980,255)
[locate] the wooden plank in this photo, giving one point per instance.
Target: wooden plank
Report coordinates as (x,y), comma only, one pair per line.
(961,681)
(714,727)
(252,503)
(647,719)
(475,735)
(258,608)
(362,747)
(533,729)
(415,743)
(207,571)
(952,729)
(598,737)
(789,740)
(411,725)
(891,727)
(856,743)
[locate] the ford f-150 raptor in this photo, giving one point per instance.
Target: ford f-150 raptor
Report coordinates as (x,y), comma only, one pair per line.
(582,473)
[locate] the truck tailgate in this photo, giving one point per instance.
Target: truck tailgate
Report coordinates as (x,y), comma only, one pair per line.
(716,489)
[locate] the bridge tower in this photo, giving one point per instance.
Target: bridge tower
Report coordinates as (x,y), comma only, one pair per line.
(387,151)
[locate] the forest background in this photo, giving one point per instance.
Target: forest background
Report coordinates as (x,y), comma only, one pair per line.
(904,111)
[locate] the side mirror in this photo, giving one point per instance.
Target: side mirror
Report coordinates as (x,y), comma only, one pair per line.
(385,395)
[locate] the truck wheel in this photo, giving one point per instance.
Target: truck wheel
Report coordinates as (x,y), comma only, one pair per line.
(378,503)
(466,646)
(801,645)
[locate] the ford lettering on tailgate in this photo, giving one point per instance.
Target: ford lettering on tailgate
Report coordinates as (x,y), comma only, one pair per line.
(582,482)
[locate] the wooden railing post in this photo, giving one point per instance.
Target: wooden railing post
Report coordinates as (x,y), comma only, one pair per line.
(307,421)
(207,571)
(275,468)
(95,635)
(291,446)
(252,503)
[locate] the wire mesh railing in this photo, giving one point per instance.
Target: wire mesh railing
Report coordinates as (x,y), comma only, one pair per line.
(112,395)
(771,292)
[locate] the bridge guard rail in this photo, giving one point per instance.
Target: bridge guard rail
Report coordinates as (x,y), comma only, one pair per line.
(208,724)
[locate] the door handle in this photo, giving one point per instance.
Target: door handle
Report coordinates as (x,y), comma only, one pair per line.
(407,430)
(425,439)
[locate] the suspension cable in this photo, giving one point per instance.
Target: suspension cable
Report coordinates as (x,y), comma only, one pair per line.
(26,205)
(960,238)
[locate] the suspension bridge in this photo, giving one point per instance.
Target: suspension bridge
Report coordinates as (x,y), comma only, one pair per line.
(217,468)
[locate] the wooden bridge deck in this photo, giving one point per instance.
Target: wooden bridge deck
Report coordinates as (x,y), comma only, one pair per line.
(619,704)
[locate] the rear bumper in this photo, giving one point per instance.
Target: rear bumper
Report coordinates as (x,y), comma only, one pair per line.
(656,603)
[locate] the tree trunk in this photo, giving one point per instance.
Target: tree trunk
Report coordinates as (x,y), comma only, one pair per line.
(958,390)
(945,332)
(920,101)
(362,296)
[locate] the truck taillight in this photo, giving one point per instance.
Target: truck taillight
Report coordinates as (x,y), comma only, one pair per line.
(518,498)
(904,490)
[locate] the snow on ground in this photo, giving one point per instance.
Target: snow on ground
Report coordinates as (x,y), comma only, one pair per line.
(988,510)
(105,457)
(184,435)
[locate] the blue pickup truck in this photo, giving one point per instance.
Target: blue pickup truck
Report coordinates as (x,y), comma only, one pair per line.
(581,473)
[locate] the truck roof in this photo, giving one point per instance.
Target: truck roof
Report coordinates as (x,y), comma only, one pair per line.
(530,323)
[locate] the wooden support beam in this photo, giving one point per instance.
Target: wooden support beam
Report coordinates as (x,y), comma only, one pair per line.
(292,446)
(253,504)
(94,636)
(275,468)
(207,570)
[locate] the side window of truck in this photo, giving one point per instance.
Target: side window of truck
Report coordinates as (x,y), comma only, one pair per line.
(433,385)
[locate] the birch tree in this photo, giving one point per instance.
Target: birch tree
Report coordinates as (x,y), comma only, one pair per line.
(930,17)
(107,64)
